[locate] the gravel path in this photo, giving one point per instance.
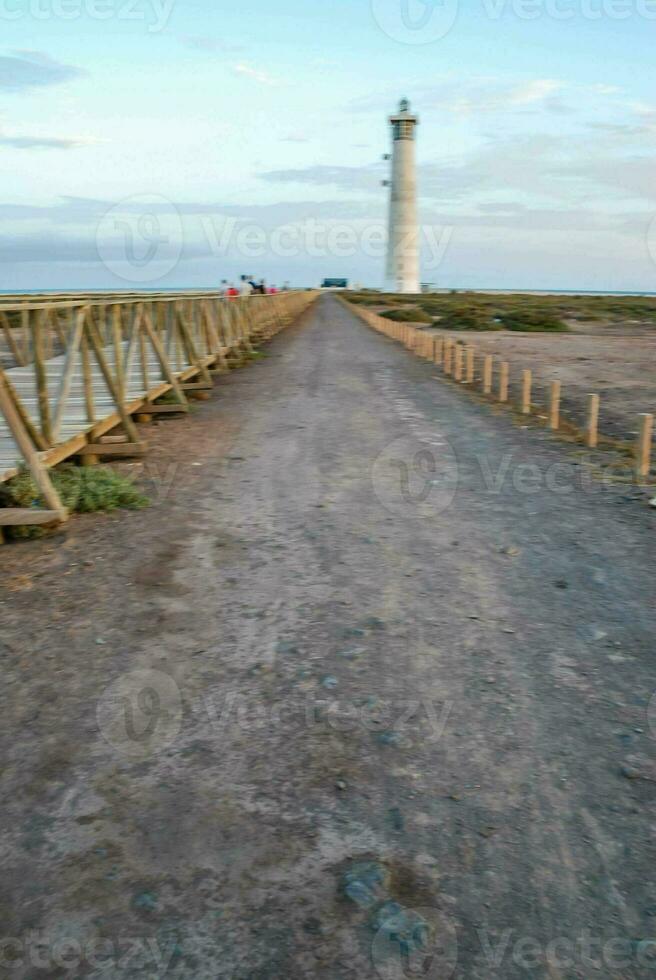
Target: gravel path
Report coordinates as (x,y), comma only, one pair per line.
(372,644)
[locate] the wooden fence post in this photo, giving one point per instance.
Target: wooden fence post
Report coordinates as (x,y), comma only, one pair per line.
(592,421)
(41,375)
(487,374)
(457,371)
(469,374)
(527,378)
(643,454)
(29,453)
(448,355)
(503,381)
(438,348)
(554,405)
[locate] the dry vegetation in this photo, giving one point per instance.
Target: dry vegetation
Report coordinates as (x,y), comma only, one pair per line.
(602,344)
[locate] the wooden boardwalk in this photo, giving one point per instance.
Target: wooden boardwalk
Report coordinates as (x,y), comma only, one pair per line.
(76,369)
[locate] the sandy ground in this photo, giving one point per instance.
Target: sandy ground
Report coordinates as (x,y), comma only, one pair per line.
(372,643)
(617,363)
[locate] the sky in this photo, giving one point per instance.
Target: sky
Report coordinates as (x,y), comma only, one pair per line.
(177,143)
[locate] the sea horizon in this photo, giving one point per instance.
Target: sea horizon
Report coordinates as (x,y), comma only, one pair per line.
(535,291)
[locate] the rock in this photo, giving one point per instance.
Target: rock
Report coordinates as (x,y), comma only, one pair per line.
(285,647)
(396,818)
(329,683)
(560,583)
(639,767)
(146,901)
(488,832)
(350,631)
(353,653)
(374,623)
(340,785)
(360,894)
(389,738)
(364,883)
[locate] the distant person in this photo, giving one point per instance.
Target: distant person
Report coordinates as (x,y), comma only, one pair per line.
(272,290)
(231,292)
(262,288)
(224,287)
(245,288)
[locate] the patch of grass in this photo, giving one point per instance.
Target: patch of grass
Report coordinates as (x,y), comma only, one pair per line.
(533,321)
(468,318)
(168,398)
(82,490)
(608,309)
(408,314)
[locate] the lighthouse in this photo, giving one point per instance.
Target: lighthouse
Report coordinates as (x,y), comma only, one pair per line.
(403,244)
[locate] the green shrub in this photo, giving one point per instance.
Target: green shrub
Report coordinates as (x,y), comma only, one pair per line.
(408,314)
(468,318)
(82,490)
(533,321)
(365,298)
(168,398)
(437,307)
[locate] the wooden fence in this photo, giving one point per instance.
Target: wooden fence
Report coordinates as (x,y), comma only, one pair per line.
(75,368)
(463,364)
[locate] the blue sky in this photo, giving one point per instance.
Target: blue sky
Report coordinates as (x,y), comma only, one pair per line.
(177,143)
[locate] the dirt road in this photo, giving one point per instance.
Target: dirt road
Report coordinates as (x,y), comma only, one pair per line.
(372,644)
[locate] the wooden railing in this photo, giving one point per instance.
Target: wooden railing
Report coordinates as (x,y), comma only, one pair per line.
(74,368)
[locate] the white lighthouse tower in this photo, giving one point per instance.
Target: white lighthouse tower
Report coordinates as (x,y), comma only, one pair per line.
(403,247)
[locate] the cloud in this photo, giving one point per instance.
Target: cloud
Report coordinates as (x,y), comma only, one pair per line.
(622,131)
(517,217)
(24,70)
(601,89)
(533,91)
(208,44)
(470,96)
(600,173)
(39,143)
(365,178)
(85,213)
(502,207)
(483,97)
(255,73)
